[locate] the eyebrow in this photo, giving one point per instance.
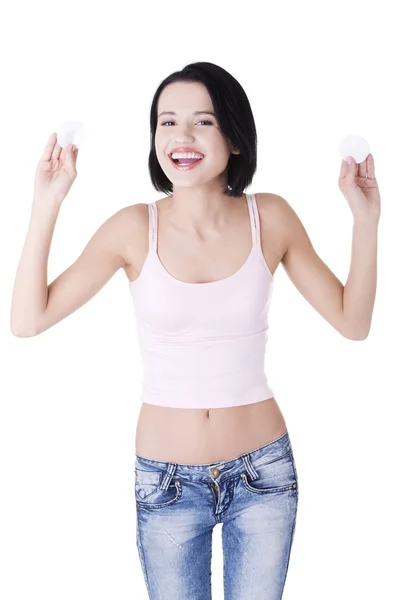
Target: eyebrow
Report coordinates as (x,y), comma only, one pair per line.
(196,112)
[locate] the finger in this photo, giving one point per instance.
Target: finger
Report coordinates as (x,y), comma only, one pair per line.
(65,152)
(343,169)
(49,147)
(347,171)
(362,169)
(370,167)
(69,152)
(70,156)
(56,151)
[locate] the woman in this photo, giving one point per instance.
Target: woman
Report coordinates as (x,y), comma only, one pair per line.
(212,445)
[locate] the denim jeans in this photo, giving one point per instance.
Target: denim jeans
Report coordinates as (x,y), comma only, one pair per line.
(255,498)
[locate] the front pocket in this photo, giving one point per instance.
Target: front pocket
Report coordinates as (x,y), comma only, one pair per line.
(273,477)
(146,483)
(148,493)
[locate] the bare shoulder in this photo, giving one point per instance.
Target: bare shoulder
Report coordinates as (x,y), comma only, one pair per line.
(276,220)
(277,211)
(129,225)
(130,216)
(270,202)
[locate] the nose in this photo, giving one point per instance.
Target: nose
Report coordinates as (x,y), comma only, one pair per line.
(183,135)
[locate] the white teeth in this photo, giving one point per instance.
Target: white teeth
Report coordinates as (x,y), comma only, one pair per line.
(186,155)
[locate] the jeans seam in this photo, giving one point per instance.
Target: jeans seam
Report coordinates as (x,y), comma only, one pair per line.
(140,548)
(289,551)
(294,471)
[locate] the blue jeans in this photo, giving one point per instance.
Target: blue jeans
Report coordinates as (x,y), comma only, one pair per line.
(255,498)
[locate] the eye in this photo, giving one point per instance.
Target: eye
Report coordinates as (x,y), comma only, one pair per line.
(209,122)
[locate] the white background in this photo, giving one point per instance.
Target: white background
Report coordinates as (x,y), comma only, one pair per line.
(313,73)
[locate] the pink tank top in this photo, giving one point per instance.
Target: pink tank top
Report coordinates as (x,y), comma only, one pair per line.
(203,344)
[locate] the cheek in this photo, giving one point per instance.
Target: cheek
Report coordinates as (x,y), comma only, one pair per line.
(158,136)
(222,144)
(159,149)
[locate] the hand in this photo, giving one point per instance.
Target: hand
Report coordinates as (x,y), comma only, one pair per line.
(56,171)
(358,185)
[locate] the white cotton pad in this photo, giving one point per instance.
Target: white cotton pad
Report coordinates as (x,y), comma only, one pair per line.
(71,132)
(354,146)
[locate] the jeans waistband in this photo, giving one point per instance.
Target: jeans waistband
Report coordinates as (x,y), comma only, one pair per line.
(222,470)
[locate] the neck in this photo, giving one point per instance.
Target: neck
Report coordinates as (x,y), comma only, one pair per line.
(199,210)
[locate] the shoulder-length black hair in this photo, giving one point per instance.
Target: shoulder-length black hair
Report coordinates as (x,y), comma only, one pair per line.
(235,118)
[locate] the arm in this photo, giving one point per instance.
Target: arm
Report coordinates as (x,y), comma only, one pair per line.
(360,290)
(37,306)
(347,308)
(30,287)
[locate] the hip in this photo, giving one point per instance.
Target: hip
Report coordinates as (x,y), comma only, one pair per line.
(267,473)
(200,436)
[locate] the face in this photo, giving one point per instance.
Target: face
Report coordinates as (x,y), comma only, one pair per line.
(185,129)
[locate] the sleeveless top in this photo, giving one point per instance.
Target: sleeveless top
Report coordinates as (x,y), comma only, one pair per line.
(203,344)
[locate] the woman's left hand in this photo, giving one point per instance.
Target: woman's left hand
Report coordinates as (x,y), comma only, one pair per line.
(358,185)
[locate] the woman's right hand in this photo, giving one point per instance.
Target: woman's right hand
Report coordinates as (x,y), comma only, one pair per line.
(56,171)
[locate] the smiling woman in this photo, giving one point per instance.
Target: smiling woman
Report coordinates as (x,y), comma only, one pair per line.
(212,445)
(211,442)
(205,97)
(201,290)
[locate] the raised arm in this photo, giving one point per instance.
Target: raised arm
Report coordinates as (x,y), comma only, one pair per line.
(36,306)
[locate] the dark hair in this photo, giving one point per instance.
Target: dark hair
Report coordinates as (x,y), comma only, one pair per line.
(235,118)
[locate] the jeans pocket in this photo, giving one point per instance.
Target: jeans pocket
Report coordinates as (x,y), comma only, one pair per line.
(275,476)
(148,490)
(146,483)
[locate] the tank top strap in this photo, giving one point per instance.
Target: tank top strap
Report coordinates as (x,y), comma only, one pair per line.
(153,221)
(254,219)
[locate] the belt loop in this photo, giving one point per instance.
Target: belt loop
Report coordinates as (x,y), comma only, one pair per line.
(169,475)
(249,467)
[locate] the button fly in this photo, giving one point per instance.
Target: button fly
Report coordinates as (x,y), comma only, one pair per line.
(214,473)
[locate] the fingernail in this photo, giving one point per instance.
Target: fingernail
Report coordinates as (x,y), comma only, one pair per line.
(348,160)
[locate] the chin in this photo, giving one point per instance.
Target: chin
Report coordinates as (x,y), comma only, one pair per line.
(188,179)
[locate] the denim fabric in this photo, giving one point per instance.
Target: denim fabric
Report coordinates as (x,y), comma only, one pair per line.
(255,498)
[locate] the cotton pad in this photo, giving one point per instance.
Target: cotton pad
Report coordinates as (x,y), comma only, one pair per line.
(354,146)
(71,132)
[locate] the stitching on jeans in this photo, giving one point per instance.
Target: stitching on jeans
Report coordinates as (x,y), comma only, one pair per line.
(272,461)
(290,549)
(294,471)
(141,555)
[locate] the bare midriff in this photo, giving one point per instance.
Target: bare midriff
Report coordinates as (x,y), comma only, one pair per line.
(201,436)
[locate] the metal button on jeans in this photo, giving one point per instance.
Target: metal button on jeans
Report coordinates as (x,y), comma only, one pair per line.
(214,473)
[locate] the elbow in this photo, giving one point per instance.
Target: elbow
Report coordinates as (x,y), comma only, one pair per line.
(355,336)
(22,333)
(354,331)
(359,338)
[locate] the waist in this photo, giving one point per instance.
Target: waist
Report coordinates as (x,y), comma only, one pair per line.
(206,435)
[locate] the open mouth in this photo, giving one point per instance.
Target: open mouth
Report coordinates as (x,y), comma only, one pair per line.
(185,162)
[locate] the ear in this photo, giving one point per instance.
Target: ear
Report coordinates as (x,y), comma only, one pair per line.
(232,148)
